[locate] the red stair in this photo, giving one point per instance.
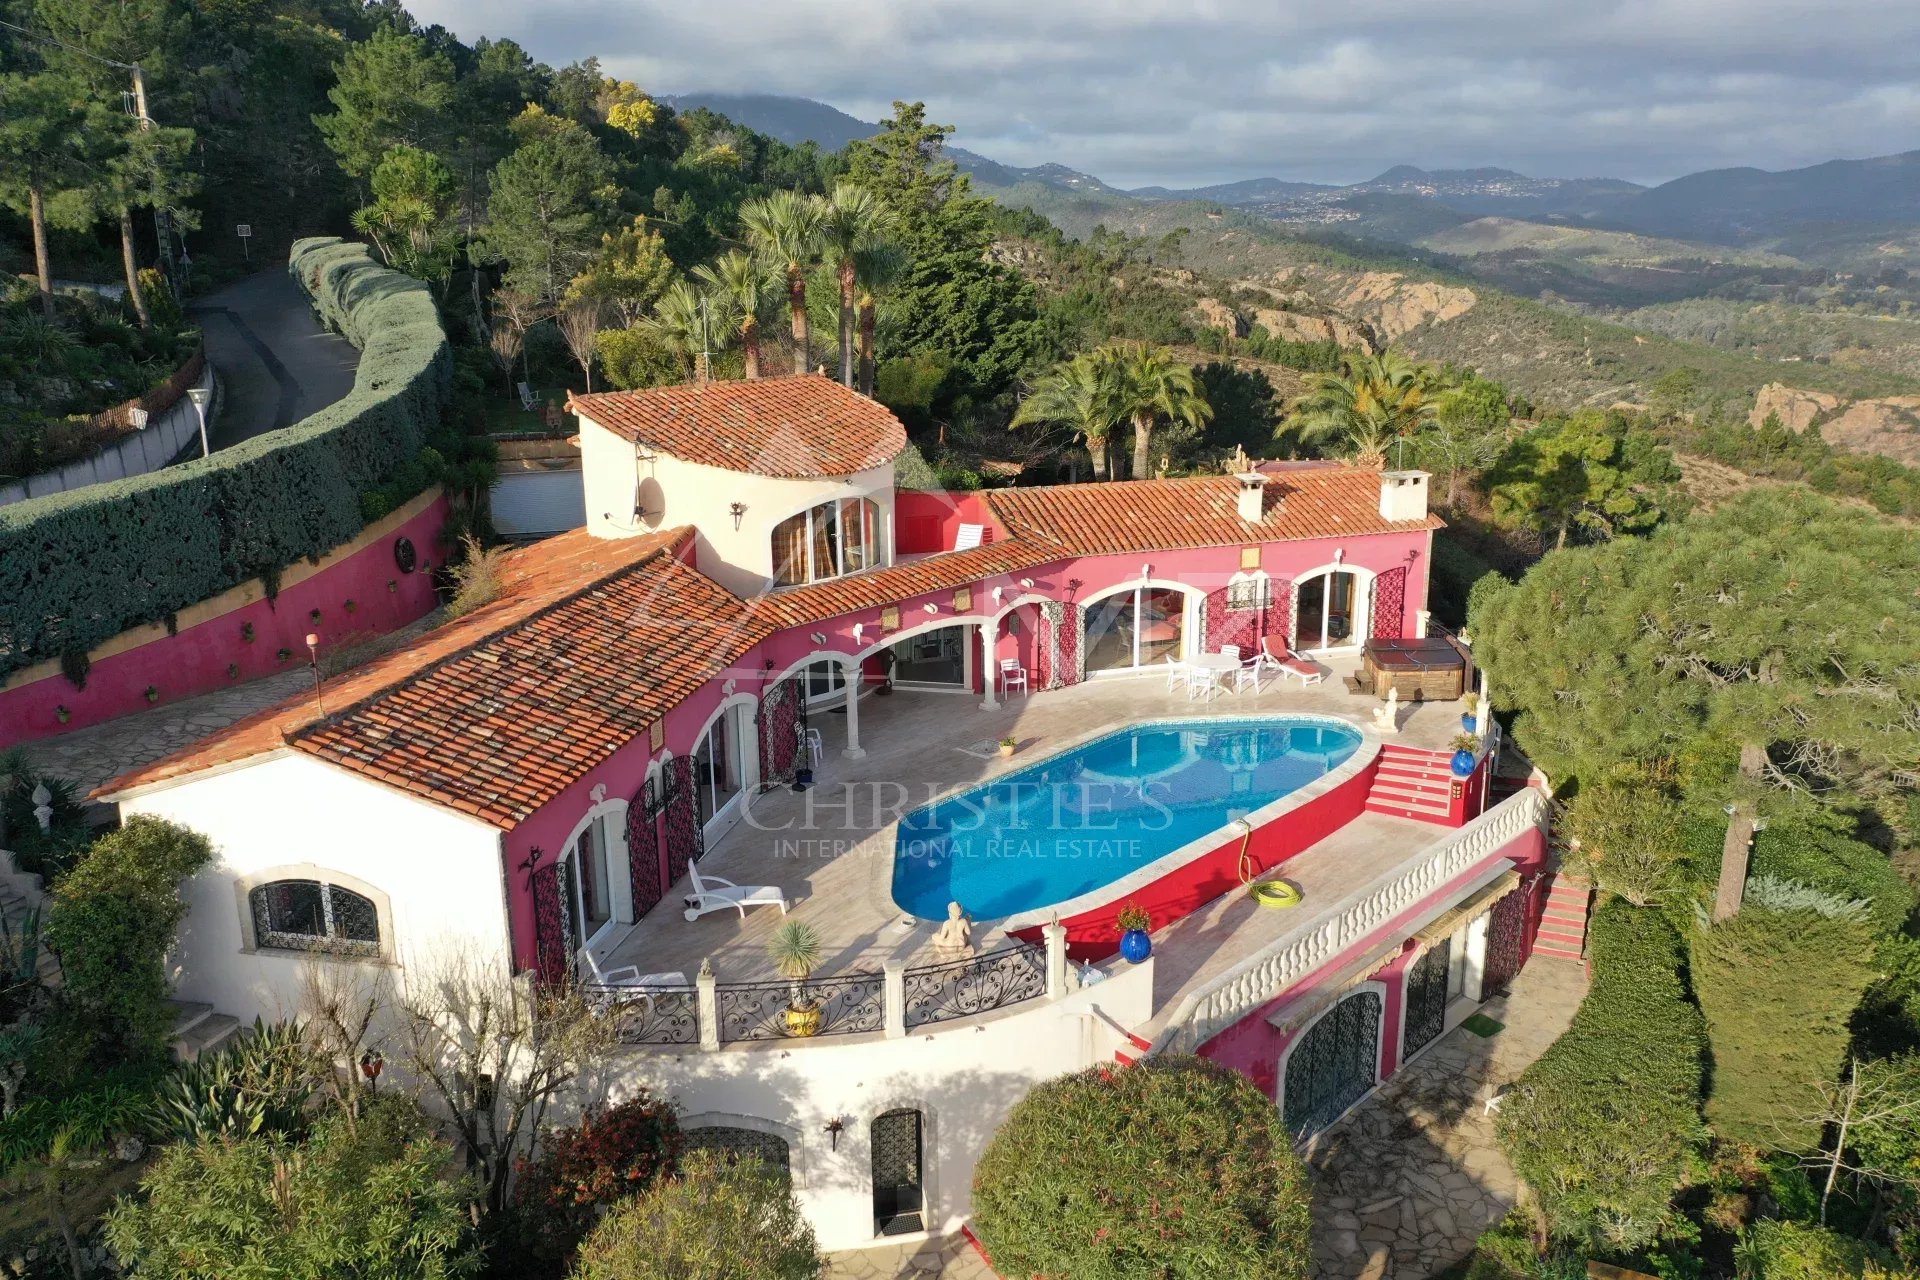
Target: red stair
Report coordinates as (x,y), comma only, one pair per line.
(1138,1043)
(1411,783)
(1563,926)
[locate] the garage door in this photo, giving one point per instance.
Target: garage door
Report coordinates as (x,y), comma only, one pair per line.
(531,504)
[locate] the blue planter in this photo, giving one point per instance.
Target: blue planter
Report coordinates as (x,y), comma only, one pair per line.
(1135,945)
(1466,722)
(1463,762)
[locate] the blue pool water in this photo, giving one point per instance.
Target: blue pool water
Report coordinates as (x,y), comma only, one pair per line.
(1073,822)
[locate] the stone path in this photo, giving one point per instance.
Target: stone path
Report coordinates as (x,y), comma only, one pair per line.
(1412,1176)
(949,1259)
(91,756)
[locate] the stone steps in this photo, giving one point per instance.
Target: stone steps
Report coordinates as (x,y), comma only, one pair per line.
(1563,924)
(199,1028)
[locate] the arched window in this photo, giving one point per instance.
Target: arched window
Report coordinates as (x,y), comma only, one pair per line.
(312,915)
(732,1143)
(826,541)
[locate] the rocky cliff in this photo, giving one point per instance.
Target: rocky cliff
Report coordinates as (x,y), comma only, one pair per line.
(1889,426)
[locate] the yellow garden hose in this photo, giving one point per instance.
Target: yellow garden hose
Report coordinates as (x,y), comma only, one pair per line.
(1268,893)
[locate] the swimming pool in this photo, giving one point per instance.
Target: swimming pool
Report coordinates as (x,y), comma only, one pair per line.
(1074,822)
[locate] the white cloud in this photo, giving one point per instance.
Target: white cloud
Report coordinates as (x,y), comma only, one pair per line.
(1192,91)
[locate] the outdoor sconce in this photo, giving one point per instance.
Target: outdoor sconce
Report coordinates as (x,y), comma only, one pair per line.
(832,1129)
(1026,584)
(737,510)
(819,637)
(931,607)
(1146,571)
(371,1064)
(1339,555)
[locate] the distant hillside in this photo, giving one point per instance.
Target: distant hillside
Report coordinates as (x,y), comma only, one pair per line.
(1738,205)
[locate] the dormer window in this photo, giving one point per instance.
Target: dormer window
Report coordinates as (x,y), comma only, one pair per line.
(826,541)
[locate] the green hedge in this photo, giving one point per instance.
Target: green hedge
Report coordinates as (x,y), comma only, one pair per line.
(1604,1125)
(78,568)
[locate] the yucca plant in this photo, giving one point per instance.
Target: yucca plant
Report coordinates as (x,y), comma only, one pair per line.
(795,951)
(258,1084)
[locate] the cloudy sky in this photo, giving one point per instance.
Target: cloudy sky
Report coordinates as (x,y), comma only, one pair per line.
(1186,92)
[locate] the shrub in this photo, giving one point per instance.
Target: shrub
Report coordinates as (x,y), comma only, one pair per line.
(717,1221)
(113,920)
(258,1084)
(476,579)
(1177,1166)
(77,568)
(1632,840)
(609,1156)
(1823,853)
(372,1199)
(1603,1126)
(1793,1251)
(1778,983)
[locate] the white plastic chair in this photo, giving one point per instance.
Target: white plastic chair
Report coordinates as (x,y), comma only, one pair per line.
(527,399)
(1202,683)
(1179,674)
(814,748)
(711,893)
(1012,674)
(1246,671)
(969,537)
(624,988)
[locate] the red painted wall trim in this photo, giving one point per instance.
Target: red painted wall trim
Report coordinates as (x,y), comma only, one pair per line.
(1093,935)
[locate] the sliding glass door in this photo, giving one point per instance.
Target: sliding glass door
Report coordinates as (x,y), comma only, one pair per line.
(1324,614)
(1134,629)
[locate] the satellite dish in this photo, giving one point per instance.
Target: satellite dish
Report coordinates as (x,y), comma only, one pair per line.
(649,503)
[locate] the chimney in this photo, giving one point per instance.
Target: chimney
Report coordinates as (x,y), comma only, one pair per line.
(1253,492)
(1403,495)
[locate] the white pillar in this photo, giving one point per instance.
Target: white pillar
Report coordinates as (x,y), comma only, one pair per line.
(895,993)
(1483,712)
(853,749)
(707,1001)
(989,641)
(1422,621)
(1056,935)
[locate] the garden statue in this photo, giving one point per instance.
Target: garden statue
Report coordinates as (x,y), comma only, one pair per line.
(1386,718)
(954,939)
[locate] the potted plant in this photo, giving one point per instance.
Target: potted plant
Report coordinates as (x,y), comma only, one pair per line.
(795,951)
(1008,746)
(1466,754)
(1469,708)
(1133,923)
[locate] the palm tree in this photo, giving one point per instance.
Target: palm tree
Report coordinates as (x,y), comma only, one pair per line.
(1077,395)
(873,269)
(1148,383)
(1373,402)
(852,222)
(683,322)
(742,281)
(784,229)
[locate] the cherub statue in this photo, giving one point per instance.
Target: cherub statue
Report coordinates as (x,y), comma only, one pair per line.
(954,939)
(1386,717)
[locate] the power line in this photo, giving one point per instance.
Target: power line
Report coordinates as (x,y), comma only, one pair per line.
(47,39)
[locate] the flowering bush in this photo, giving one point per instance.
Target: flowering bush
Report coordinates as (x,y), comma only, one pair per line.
(581,1171)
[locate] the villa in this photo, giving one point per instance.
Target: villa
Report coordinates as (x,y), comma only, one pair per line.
(762,662)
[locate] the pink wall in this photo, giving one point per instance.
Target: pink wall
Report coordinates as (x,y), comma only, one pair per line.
(928,519)
(196,660)
(1253,1048)
(1203,569)
(1093,934)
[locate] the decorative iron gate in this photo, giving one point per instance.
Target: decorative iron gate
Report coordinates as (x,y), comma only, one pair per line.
(686,839)
(1506,940)
(1426,1014)
(732,1144)
(782,722)
(643,849)
(552,929)
(1333,1065)
(1390,605)
(897,1191)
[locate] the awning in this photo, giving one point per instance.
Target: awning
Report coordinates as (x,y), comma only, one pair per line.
(1449,924)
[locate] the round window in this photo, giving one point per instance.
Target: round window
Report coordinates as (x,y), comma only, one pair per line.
(404,555)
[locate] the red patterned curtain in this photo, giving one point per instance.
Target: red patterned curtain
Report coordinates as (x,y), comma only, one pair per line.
(1390,604)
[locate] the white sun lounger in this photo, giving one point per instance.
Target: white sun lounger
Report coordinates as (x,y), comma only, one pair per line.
(711,893)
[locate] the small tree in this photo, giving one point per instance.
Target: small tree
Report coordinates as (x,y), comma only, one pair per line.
(580,321)
(1631,840)
(495,1052)
(371,1200)
(582,1171)
(1872,1119)
(1177,1166)
(719,1220)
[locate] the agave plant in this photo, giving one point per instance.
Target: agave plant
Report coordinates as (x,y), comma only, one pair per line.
(795,950)
(258,1084)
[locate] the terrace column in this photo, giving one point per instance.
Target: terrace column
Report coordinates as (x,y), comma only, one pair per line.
(1483,713)
(853,750)
(989,641)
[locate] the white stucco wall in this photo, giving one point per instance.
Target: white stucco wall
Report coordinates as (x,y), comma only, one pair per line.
(964,1079)
(438,873)
(675,492)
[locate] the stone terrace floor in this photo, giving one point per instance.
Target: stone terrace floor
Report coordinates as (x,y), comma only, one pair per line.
(1406,1182)
(839,874)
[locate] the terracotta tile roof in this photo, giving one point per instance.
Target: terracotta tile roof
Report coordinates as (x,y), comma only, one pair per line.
(796,606)
(1163,515)
(495,713)
(797,426)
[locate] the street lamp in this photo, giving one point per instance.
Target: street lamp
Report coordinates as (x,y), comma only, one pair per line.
(201,396)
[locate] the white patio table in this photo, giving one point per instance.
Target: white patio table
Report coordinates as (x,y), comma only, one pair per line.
(1210,673)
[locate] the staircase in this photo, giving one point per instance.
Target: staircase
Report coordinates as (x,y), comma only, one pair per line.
(1136,1048)
(198,1029)
(1563,927)
(1411,783)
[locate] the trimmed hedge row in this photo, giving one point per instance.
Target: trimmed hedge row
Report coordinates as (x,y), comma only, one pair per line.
(78,568)
(1604,1124)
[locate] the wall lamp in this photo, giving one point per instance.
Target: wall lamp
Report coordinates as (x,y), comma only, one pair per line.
(737,510)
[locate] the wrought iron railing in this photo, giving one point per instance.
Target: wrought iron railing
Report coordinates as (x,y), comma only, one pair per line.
(849,1003)
(668,1016)
(967,988)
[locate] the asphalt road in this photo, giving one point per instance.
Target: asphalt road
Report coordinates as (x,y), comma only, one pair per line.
(276,363)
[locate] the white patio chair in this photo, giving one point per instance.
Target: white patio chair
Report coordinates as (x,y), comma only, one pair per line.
(1245,670)
(1179,674)
(1202,683)
(528,400)
(814,748)
(625,988)
(1012,675)
(711,893)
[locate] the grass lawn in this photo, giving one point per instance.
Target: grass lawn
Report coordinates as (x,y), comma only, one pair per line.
(504,416)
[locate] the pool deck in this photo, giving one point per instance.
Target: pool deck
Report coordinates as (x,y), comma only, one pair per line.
(830,850)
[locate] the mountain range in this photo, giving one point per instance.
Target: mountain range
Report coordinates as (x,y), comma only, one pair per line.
(1720,206)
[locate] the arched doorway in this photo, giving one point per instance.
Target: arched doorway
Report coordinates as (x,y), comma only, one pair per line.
(1330,609)
(1333,1064)
(898,1185)
(1135,628)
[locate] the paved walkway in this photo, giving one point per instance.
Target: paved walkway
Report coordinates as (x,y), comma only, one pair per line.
(1408,1181)
(276,363)
(950,1259)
